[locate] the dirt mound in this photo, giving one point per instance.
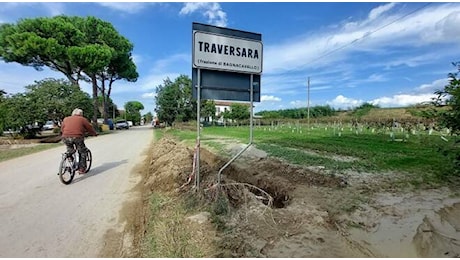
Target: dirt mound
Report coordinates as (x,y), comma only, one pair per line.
(170,165)
(274,209)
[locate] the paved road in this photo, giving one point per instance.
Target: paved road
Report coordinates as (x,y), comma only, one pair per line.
(40,217)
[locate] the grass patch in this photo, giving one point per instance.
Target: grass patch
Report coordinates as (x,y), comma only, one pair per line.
(170,234)
(18,152)
(158,134)
(302,158)
(215,146)
(375,150)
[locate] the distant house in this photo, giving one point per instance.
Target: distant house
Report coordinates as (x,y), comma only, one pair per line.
(221,107)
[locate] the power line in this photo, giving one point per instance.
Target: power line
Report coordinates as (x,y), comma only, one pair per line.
(364,36)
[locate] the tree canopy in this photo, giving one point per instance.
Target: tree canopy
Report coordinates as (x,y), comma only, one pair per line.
(82,48)
(450,96)
(208,109)
(174,100)
(48,99)
(133,109)
(239,111)
(299,113)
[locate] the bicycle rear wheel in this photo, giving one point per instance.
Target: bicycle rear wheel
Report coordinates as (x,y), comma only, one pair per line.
(66,171)
(89,160)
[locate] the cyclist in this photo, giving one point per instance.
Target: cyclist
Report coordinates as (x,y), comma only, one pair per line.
(73,131)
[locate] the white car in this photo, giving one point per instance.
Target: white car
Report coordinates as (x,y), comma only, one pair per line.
(49,125)
(121,124)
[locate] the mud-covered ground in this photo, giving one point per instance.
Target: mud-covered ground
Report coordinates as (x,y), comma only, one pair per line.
(276,209)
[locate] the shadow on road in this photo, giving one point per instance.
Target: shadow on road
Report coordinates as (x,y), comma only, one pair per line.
(100,169)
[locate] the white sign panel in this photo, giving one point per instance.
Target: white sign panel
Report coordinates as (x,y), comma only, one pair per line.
(218,52)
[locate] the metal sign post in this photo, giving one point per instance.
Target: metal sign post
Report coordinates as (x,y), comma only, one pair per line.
(198,131)
(251,91)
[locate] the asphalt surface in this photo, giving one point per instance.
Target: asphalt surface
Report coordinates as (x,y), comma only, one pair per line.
(41,217)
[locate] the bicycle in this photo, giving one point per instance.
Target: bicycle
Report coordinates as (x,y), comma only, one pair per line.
(69,165)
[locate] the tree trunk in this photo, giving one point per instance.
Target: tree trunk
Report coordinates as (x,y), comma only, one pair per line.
(95,110)
(104,103)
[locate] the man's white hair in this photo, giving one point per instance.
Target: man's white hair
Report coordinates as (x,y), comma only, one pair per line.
(77,112)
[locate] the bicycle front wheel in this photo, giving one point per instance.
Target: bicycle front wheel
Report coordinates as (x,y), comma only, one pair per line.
(66,171)
(89,160)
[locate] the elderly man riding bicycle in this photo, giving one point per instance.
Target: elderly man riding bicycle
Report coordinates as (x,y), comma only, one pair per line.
(73,131)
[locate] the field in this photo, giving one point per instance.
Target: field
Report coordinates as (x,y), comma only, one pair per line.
(339,148)
(328,190)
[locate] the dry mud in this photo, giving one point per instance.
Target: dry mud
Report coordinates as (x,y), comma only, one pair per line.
(283,210)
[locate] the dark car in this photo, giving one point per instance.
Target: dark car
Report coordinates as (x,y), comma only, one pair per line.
(121,124)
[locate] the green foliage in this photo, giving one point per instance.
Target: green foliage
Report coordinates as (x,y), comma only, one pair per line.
(299,113)
(239,111)
(56,98)
(112,109)
(363,110)
(133,113)
(450,96)
(174,100)
(48,99)
(3,110)
(208,109)
(148,117)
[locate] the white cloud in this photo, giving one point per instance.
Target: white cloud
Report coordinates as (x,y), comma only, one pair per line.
(399,100)
(212,11)
(378,11)
(192,7)
(127,7)
(149,95)
(344,102)
(298,103)
(137,59)
(448,27)
(433,86)
(269,98)
(431,25)
(402,100)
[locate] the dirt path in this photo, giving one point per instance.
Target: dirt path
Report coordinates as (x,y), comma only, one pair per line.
(313,213)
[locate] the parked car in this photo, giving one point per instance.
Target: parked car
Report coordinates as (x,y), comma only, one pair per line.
(121,124)
(49,125)
(130,123)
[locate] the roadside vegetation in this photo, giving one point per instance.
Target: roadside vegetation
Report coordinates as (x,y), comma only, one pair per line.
(7,154)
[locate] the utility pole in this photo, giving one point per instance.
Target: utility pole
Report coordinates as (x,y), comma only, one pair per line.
(308,104)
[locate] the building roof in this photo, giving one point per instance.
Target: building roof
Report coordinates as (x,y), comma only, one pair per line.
(228,103)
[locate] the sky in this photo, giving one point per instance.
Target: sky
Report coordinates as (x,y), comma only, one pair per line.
(388,54)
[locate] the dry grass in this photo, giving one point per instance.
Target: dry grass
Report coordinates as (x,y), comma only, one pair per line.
(172,235)
(169,231)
